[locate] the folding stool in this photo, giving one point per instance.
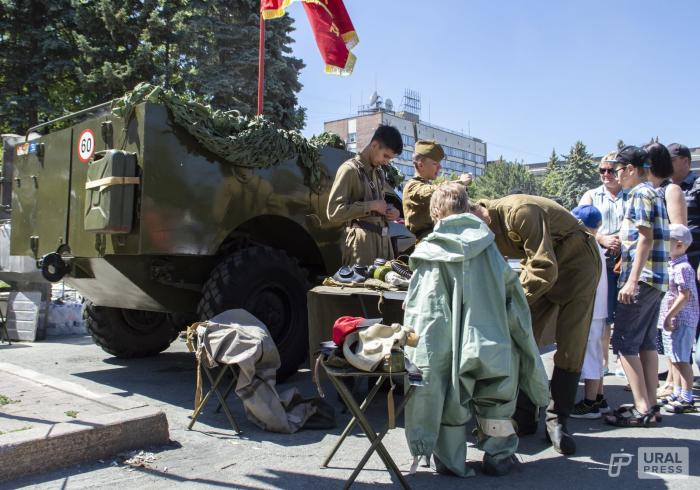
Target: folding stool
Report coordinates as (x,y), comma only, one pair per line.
(214,384)
(358,412)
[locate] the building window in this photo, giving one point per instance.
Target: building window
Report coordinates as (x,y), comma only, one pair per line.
(352,138)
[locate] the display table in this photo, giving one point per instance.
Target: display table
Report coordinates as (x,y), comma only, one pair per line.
(326,304)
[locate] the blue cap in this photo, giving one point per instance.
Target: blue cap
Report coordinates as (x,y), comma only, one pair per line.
(588,214)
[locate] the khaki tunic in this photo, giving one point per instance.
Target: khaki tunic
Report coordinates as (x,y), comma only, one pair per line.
(356,183)
(416,206)
(560,270)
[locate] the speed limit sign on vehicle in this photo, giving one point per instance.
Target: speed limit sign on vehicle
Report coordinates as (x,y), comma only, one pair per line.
(86,145)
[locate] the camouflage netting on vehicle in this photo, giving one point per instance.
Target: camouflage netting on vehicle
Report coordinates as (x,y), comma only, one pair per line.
(393,176)
(252,142)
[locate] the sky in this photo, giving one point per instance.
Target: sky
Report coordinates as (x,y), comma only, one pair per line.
(525,77)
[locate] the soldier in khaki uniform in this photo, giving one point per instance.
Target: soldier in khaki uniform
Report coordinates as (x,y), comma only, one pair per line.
(357,200)
(417,191)
(561,268)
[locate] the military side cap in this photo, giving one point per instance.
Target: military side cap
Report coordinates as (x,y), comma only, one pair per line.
(429,149)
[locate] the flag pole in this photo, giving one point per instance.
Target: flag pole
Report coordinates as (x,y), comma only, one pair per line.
(261,63)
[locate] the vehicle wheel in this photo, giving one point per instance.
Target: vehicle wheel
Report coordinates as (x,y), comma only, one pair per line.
(128,333)
(269,284)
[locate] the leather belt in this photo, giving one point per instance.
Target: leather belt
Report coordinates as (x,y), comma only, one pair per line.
(379,230)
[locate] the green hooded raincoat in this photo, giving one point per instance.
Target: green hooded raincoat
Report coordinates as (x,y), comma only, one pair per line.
(476,345)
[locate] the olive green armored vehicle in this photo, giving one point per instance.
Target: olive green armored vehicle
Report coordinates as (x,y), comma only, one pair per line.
(154,230)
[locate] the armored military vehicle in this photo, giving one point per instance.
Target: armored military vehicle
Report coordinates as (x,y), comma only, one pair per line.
(155,229)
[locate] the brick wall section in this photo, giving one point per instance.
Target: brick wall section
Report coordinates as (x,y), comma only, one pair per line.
(338,127)
(366,126)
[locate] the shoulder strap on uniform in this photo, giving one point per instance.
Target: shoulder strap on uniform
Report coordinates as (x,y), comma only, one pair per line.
(359,168)
(382,178)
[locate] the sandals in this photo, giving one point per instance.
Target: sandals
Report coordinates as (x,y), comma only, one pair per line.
(656,409)
(631,417)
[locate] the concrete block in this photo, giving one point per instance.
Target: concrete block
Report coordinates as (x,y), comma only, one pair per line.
(87,439)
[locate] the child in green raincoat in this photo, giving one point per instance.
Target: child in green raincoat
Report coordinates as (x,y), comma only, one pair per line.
(476,345)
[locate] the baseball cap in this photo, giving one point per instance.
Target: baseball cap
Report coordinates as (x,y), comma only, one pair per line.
(345,325)
(633,155)
(680,233)
(588,214)
(678,150)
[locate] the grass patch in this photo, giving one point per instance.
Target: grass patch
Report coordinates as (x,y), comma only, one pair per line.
(16,430)
(6,400)
(72,413)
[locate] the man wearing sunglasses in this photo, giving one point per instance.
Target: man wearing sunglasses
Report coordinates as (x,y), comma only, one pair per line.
(643,281)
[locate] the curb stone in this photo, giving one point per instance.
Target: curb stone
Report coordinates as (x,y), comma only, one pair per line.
(130,425)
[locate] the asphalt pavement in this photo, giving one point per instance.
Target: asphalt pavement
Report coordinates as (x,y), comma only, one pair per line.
(213,456)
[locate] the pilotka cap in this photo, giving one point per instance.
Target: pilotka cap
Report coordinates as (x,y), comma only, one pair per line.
(429,149)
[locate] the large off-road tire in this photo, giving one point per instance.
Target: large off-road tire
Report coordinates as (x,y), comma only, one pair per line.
(269,284)
(129,333)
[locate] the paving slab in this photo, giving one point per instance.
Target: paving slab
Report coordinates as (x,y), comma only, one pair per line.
(213,456)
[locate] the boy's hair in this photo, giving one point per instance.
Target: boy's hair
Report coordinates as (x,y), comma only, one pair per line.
(680,233)
(449,198)
(390,137)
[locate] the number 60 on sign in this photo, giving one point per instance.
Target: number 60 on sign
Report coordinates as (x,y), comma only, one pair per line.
(86,145)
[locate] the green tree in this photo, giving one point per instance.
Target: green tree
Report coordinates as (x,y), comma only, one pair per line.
(551,183)
(120,43)
(620,144)
(224,36)
(35,59)
(63,55)
(577,175)
(502,178)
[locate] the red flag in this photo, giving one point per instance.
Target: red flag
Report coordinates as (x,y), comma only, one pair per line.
(333,30)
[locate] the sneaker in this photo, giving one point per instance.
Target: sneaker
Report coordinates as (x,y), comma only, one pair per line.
(681,407)
(603,406)
(582,410)
(667,400)
(664,391)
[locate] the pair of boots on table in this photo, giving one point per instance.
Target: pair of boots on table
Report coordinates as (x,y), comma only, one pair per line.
(563,389)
